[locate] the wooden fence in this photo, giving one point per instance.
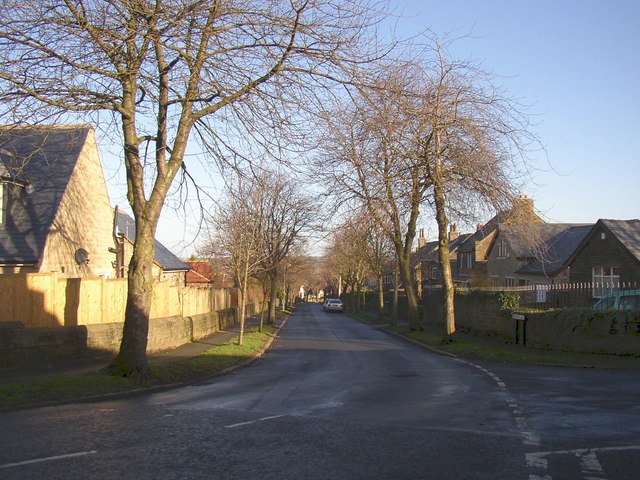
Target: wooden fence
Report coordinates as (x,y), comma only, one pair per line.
(44,300)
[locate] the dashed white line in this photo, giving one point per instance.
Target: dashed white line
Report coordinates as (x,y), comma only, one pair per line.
(242,424)
(48,459)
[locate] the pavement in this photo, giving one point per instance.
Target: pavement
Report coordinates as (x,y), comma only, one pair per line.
(25,373)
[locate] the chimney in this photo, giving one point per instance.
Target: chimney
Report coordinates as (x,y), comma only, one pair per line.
(523,204)
(421,240)
(453,232)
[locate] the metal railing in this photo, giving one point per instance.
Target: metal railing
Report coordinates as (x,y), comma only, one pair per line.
(561,295)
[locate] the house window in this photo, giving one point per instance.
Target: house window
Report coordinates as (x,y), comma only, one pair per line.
(502,249)
(510,282)
(605,280)
(466,261)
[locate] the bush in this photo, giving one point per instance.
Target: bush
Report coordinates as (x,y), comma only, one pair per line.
(509,301)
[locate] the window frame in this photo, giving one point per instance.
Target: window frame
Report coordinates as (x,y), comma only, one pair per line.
(605,280)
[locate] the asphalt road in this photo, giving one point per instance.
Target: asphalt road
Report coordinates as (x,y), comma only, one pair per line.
(337,399)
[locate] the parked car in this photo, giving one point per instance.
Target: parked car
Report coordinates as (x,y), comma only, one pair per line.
(620,300)
(333,305)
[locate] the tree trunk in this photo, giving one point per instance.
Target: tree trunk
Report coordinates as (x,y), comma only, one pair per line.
(413,312)
(443,238)
(272,301)
(380,297)
(132,357)
(264,303)
(241,311)
(394,305)
(445,265)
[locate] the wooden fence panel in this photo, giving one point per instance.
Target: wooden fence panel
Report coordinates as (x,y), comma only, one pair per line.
(114,302)
(38,300)
(44,300)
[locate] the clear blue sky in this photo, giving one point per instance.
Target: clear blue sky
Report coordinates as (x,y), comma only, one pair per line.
(576,62)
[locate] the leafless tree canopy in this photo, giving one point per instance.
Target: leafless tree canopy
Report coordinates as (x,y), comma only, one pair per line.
(240,73)
(430,132)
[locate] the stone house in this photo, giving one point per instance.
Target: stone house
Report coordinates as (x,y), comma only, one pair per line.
(473,252)
(166,266)
(426,261)
(609,255)
(534,254)
(56,213)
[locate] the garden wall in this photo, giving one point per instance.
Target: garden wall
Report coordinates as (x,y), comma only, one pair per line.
(51,346)
(579,330)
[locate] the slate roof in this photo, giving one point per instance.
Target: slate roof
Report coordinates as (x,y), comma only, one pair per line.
(545,247)
(42,159)
(432,255)
(422,253)
(627,231)
(163,256)
(490,227)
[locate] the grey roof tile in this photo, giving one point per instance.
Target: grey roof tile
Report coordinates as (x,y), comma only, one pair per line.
(628,232)
(163,256)
(546,247)
(44,158)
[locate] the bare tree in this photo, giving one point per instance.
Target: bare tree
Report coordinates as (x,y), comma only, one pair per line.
(238,223)
(378,252)
(288,213)
(359,248)
(431,132)
(230,70)
(470,139)
(366,160)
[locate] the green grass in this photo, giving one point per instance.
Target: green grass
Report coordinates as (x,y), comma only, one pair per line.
(75,387)
(499,350)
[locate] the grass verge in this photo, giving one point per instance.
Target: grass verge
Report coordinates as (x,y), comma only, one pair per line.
(95,384)
(479,348)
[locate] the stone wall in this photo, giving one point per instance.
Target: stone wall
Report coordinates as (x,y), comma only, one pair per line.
(577,330)
(48,347)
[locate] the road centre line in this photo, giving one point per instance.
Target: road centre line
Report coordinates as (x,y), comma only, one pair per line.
(242,424)
(48,459)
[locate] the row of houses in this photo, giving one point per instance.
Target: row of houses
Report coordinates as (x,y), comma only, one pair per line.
(518,248)
(56,215)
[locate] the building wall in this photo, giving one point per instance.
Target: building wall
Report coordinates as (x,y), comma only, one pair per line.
(503,268)
(607,252)
(84,220)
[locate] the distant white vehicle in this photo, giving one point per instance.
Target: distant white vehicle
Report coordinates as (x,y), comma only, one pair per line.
(333,305)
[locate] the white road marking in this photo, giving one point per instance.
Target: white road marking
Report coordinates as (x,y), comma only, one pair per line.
(241,424)
(589,463)
(590,466)
(527,435)
(48,459)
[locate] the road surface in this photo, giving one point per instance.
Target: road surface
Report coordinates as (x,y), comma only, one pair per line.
(337,399)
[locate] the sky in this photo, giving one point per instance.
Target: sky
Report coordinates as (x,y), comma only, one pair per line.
(576,63)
